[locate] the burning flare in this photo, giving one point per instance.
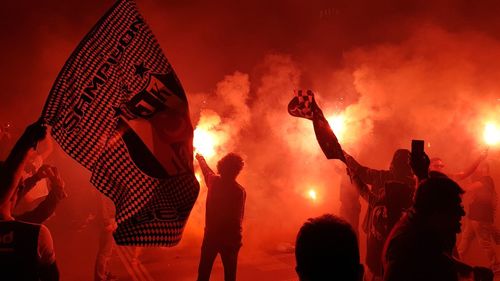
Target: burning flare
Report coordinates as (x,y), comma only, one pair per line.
(209,135)
(204,142)
(312,194)
(337,123)
(491,134)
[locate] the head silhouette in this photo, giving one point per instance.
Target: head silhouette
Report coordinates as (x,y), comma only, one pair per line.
(438,201)
(400,164)
(327,249)
(230,165)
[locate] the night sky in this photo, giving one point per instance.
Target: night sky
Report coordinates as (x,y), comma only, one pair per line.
(205,40)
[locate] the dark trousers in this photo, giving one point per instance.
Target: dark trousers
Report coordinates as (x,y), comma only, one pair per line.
(228,254)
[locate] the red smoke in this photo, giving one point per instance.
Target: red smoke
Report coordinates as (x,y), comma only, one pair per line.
(395,70)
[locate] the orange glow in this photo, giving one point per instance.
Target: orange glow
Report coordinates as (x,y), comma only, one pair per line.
(312,194)
(491,134)
(204,142)
(337,123)
(208,138)
(198,177)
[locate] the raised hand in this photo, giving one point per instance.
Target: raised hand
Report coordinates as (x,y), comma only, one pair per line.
(420,166)
(52,174)
(34,133)
(199,157)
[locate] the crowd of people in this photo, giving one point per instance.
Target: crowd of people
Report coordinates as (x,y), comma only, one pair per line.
(414,215)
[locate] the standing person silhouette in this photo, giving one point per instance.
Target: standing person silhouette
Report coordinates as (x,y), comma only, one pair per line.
(374,224)
(224,215)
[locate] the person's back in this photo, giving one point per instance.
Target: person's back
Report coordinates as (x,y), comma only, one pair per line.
(375,221)
(400,173)
(225,208)
(24,254)
(224,215)
(327,249)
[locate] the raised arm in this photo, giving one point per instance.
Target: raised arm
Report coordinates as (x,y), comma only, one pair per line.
(363,189)
(470,170)
(205,169)
(367,175)
(30,182)
(10,172)
(48,206)
(49,147)
(420,166)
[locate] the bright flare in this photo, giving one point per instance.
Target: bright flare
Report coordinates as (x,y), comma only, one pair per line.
(210,136)
(337,122)
(491,134)
(204,142)
(312,194)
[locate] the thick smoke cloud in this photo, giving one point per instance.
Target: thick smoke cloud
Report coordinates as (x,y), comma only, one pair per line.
(437,85)
(396,70)
(388,93)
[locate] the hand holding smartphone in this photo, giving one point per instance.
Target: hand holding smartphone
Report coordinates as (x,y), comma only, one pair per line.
(419,160)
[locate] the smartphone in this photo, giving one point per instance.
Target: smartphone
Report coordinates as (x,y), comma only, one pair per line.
(417,148)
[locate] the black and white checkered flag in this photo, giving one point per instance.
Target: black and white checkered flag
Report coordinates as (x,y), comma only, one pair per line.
(304,105)
(118,108)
